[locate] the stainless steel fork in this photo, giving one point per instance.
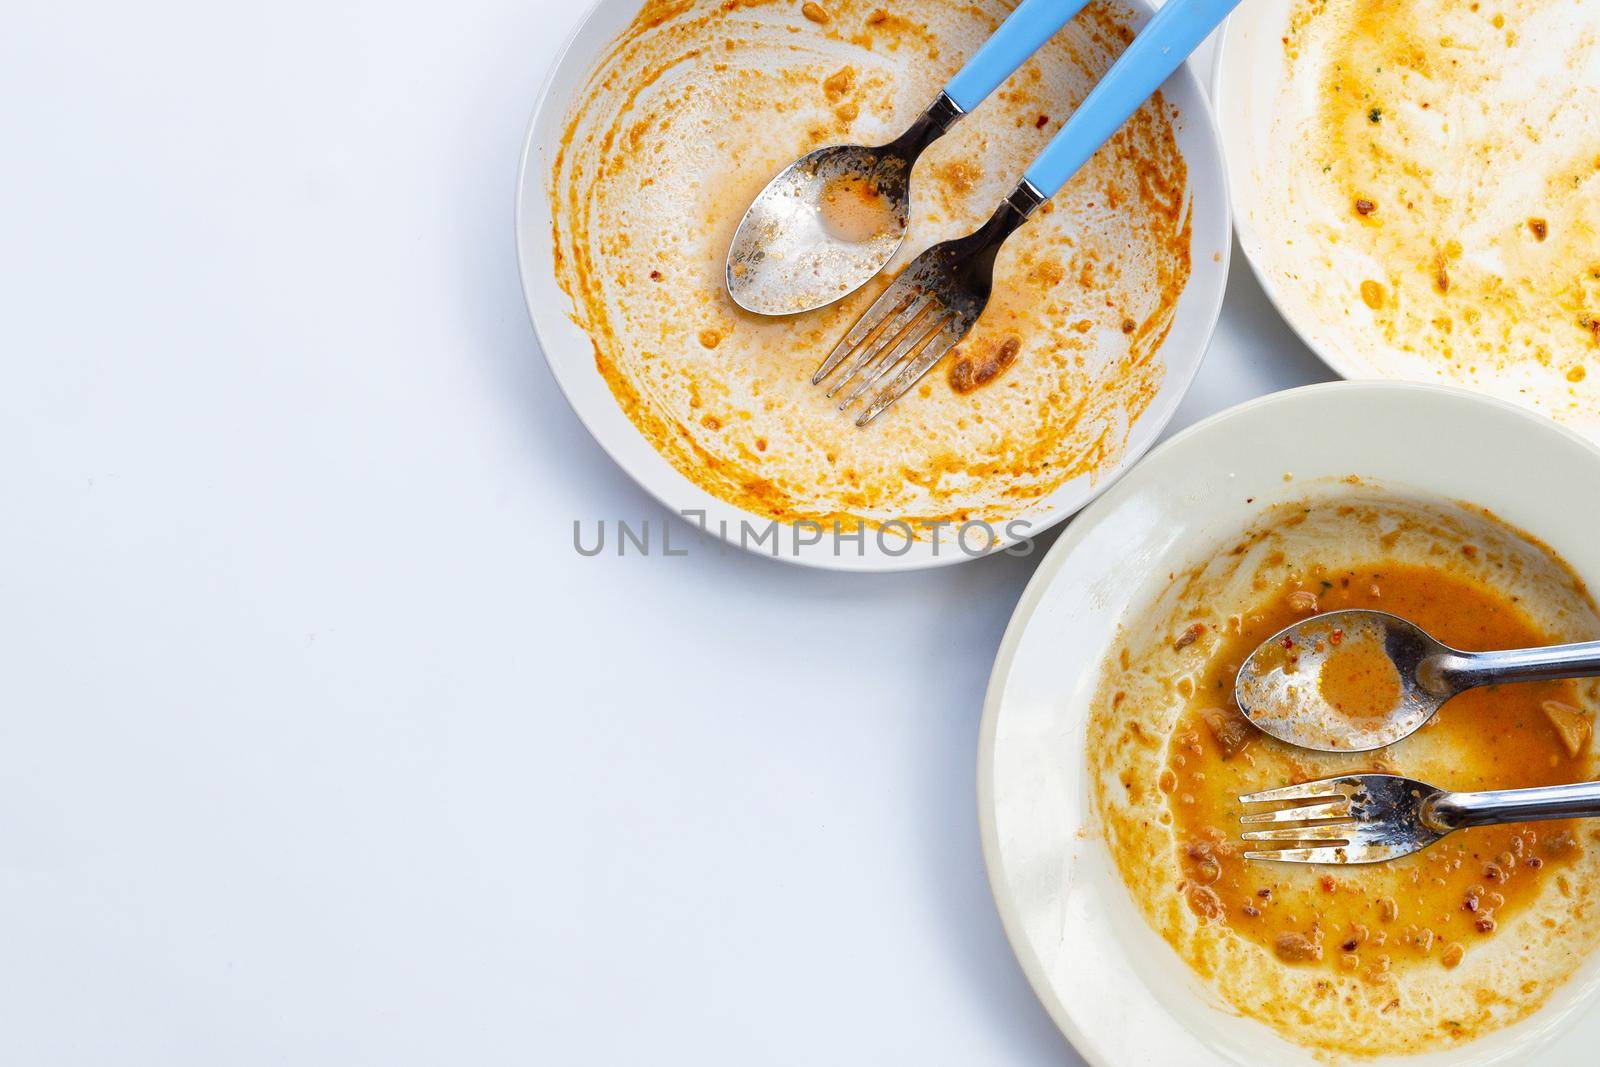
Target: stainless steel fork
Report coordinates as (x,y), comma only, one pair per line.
(1366,818)
(937,298)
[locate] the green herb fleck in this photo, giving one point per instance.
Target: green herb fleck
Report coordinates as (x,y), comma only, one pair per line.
(1375,115)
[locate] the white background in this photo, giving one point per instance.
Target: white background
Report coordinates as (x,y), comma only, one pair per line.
(318,741)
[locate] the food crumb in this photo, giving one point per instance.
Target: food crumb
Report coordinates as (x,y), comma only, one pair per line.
(1540,228)
(816,12)
(1572,726)
(1364,206)
(970,372)
(1292,947)
(839,82)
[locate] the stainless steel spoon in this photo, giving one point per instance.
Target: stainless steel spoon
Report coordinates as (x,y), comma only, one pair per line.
(832,219)
(1280,689)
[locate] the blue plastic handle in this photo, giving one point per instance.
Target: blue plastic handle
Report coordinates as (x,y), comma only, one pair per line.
(1023,32)
(1164,43)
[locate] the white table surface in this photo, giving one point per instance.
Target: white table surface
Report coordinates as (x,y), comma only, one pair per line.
(318,741)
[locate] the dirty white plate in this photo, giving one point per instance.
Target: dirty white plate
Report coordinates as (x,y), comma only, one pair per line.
(1113,986)
(1249,78)
(571,356)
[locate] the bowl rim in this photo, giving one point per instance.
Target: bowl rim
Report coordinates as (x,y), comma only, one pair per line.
(1249,237)
(669,490)
(1033,595)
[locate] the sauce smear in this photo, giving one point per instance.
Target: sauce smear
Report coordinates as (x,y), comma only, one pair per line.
(853,209)
(1359,678)
(1429,909)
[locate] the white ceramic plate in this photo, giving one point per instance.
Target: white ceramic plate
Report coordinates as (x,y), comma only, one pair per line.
(1115,988)
(571,356)
(1248,81)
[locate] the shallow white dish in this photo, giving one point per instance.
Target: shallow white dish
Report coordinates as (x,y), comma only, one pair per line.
(1113,986)
(571,355)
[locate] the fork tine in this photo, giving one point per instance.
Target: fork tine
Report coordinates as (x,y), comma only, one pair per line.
(1302,855)
(1340,832)
(912,374)
(1324,787)
(872,319)
(914,342)
(1333,809)
(898,323)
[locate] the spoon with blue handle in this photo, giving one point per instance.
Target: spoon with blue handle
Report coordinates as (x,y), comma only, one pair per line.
(830,220)
(938,297)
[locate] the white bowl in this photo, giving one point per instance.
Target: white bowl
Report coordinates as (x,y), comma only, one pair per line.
(1113,986)
(571,356)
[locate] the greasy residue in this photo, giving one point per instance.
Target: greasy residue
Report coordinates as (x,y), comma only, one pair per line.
(1412,955)
(1435,203)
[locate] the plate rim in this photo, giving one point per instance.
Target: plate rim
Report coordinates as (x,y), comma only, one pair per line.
(1248,237)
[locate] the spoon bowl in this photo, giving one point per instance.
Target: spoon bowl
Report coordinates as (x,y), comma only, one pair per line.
(825,225)
(1283,686)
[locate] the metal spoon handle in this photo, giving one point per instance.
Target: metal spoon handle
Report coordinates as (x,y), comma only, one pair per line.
(1464,670)
(1452,811)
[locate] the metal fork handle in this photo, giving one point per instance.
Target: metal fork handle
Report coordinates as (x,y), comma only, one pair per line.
(1444,812)
(1464,670)
(1172,33)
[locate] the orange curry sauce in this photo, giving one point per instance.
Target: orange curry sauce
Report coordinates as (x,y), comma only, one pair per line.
(1358,677)
(1430,908)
